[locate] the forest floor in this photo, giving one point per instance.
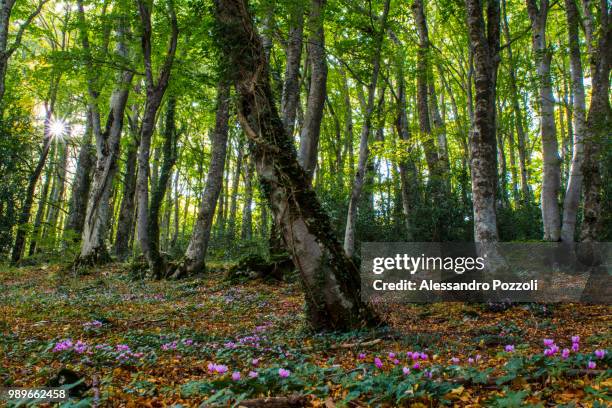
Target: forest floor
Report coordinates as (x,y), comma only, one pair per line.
(135,343)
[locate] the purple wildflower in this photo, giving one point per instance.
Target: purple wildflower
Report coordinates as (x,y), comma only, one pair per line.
(283,373)
(80,347)
(396,361)
(63,345)
(470,360)
(455,360)
(600,353)
(575,347)
(424,356)
(548,342)
(391,355)
(253,374)
(188,342)
(236,376)
(548,352)
(509,348)
(416,366)
(591,365)
(406,370)
(575,339)
(361,356)
(378,362)
(123,347)
(428,374)
(565,354)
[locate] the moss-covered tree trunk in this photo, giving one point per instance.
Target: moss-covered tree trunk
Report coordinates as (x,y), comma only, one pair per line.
(331,281)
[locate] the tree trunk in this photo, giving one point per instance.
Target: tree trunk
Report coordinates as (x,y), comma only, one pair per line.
(93,242)
(195,256)
(159,190)
(57,195)
(485,44)
(360,175)
(331,280)
(125,227)
(291,84)
(231,227)
(246,227)
(422,74)
(597,131)
(309,136)
(26,209)
(551,174)
(574,182)
(43,199)
(148,227)
(80,186)
(518,116)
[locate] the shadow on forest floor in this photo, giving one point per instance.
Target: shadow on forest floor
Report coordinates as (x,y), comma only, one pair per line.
(146,343)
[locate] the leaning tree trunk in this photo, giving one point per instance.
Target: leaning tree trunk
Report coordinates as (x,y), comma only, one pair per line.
(291,85)
(551,174)
(80,187)
(309,136)
(483,144)
(331,280)
(246,226)
(195,255)
(597,132)
(360,175)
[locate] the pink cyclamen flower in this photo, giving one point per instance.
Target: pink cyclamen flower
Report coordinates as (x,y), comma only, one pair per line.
(396,361)
(575,339)
(63,345)
(361,356)
(283,373)
(428,374)
(416,366)
(391,355)
(455,360)
(548,342)
(123,347)
(591,365)
(509,348)
(470,360)
(600,353)
(188,342)
(378,363)
(80,347)
(575,347)
(406,370)
(255,362)
(220,368)
(478,357)
(548,352)
(253,374)
(565,354)
(236,376)
(554,348)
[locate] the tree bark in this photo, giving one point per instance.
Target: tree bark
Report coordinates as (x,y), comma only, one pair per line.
(43,199)
(291,85)
(518,115)
(331,280)
(483,145)
(57,195)
(195,256)
(551,173)
(598,125)
(93,242)
(246,227)
(125,226)
(360,175)
(574,182)
(231,224)
(80,186)
(155,89)
(311,130)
